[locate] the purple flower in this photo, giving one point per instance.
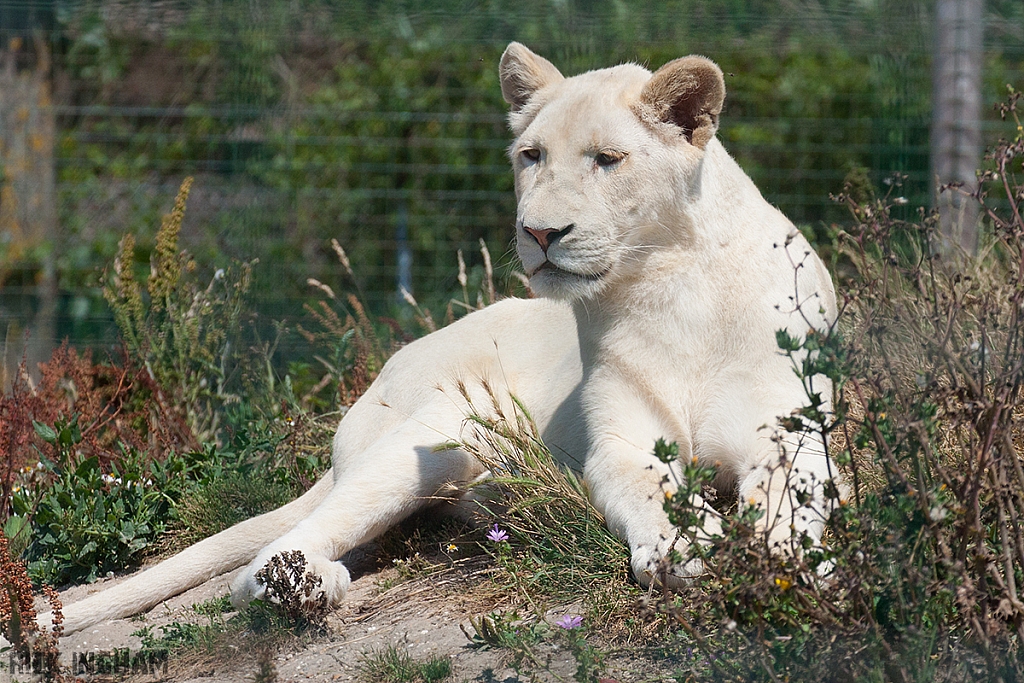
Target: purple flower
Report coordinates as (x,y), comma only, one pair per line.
(497,535)
(569,622)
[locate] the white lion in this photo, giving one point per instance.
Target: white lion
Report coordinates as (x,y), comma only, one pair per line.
(668,276)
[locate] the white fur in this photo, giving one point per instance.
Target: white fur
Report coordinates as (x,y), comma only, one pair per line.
(666,294)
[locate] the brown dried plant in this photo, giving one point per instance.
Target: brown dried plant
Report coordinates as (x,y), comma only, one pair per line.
(293,592)
(34,648)
(357,348)
(115,404)
(356,351)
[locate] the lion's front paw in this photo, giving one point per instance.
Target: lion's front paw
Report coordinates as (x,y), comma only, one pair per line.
(334,580)
(651,565)
(245,588)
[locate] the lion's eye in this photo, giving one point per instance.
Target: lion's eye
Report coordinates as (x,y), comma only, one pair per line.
(605,159)
(531,154)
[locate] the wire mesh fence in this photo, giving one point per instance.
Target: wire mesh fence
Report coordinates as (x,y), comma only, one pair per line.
(381,125)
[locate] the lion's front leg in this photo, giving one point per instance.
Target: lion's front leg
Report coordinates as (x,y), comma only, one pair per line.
(786,479)
(628,486)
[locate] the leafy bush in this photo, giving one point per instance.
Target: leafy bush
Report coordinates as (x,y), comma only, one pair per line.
(113,406)
(84,521)
(78,516)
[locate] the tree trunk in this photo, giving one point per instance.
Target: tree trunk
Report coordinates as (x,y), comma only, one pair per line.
(956,119)
(28,207)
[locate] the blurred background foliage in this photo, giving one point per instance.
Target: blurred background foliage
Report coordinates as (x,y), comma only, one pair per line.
(381,124)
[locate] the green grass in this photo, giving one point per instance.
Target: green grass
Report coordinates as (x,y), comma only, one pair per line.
(559,550)
(392,664)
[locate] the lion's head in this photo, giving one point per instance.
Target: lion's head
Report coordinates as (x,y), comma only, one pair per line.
(604,163)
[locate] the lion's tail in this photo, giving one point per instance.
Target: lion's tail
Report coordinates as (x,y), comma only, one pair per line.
(197,564)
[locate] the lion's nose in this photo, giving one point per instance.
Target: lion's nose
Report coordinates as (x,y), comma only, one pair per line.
(545,238)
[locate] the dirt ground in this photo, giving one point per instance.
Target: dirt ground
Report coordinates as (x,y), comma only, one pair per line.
(421,615)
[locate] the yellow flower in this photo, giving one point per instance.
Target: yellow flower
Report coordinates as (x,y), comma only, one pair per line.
(784,584)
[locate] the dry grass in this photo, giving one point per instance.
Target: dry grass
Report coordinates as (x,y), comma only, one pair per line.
(559,551)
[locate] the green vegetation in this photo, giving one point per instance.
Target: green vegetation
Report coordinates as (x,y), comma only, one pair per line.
(382,123)
(83,521)
(552,543)
(181,330)
(101,463)
(180,635)
(77,519)
(392,664)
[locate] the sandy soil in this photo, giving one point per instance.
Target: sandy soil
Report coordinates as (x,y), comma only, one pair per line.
(422,615)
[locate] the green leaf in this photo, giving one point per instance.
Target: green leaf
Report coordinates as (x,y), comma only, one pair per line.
(45,432)
(666,452)
(14,525)
(87,467)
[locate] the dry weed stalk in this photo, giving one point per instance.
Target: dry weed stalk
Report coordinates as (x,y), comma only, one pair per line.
(178,330)
(294,592)
(33,648)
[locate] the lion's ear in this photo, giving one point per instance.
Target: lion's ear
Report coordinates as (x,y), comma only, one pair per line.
(523,73)
(689,93)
